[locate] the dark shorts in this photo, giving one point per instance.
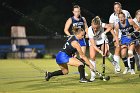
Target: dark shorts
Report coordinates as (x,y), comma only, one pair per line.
(62,58)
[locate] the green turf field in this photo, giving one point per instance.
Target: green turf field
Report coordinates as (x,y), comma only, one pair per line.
(27,76)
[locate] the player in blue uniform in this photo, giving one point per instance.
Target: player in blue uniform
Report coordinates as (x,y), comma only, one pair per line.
(80,22)
(127,41)
(65,57)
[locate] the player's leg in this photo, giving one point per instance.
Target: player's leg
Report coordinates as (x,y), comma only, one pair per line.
(117,57)
(81,69)
(82,43)
(62,59)
(124,58)
(131,59)
(92,52)
(137,56)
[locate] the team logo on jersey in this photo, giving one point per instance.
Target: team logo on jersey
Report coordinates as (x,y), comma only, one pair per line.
(78,24)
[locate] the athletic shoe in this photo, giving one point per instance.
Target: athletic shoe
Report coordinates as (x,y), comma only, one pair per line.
(132,71)
(48,76)
(84,80)
(86,74)
(92,79)
(126,70)
(116,67)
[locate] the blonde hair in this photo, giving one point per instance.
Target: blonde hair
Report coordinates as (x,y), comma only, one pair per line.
(96,20)
(76,30)
(137,12)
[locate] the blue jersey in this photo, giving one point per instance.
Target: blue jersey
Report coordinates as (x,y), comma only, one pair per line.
(127,30)
(78,23)
(126,33)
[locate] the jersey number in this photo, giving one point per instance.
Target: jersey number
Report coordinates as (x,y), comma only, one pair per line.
(65,46)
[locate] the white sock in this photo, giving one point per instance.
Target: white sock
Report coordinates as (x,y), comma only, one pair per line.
(117,59)
(128,60)
(93,73)
(139,59)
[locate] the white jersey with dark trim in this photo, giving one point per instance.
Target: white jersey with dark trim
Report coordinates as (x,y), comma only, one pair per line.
(96,36)
(114,17)
(114,20)
(136,21)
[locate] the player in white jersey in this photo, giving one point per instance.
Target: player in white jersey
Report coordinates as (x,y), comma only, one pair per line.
(137,47)
(97,36)
(113,20)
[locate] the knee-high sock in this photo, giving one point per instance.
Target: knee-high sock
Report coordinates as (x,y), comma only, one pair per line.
(56,73)
(81,70)
(125,61)
(132,63)
(110,57)
(117,59)
(137,59)
(93,73)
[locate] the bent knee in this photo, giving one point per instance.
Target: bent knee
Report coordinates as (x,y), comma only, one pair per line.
(130,53)
(65,71)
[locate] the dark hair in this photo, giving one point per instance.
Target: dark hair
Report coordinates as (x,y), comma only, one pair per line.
(137,12)
(96,20)
(76,6)
(122,14)
(118,3)
(76,30)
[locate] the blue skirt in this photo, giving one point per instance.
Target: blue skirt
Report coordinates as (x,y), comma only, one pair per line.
(126,40)
(62,58)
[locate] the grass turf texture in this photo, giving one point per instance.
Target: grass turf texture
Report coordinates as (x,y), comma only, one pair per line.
(27,76)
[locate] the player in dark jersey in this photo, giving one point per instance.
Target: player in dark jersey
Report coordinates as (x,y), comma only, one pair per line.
(65,57)
(127,41)
(80,22)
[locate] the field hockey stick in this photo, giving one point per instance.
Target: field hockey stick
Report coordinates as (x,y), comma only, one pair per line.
(95,71)
(103,66)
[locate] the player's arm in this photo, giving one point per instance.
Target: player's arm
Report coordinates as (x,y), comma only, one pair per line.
(135,26)
(76,45)
(85,24)
(92,42)
(67,26)
(116,28)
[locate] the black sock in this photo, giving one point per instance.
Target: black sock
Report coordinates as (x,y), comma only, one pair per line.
(56,73)
(132,63)
(125,62)
(81,70)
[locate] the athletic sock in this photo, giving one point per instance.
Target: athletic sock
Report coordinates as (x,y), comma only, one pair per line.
(93,73)
(125,61)
(132,63)
(110,57)
(139,59)
(56,73)
(117,59)
(136,56)
(81,71)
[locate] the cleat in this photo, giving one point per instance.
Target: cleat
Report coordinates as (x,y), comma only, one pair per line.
(86,74)
(47,76)
(125,70)
(92,79)
(84,80)
(132,71)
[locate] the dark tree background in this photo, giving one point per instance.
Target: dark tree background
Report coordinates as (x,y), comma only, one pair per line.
(45,17)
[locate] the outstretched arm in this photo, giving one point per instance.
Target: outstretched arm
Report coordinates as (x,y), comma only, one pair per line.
(76,45)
